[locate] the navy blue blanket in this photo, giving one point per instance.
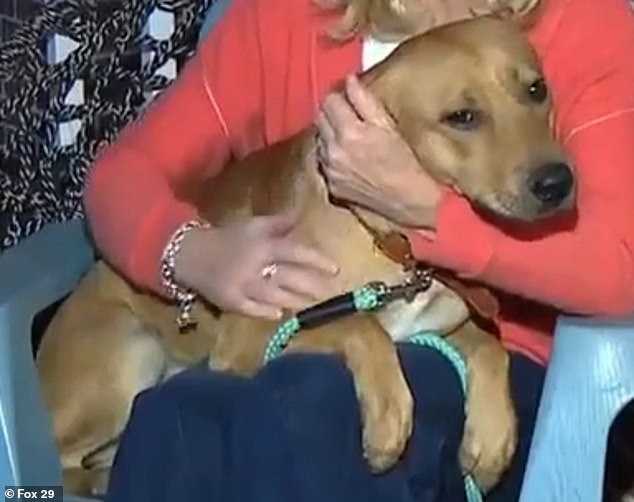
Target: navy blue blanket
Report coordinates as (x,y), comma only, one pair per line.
(292,434)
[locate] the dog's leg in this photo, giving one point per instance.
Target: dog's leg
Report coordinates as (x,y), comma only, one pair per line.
(86,483)
(90,372)
(98,464)
(490,435)
(387,405)
(239,344)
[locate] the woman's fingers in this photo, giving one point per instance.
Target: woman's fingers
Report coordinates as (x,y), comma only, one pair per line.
(280,298)
(340,115)
(254,308)
(343,112)
(311,286)
(326,132)
(306,256)
(365,104)
(271,294)
(291,287)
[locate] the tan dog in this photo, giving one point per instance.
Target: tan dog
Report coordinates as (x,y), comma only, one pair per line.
(470,100)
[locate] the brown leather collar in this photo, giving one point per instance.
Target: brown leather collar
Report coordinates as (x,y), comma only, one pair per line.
(397,248)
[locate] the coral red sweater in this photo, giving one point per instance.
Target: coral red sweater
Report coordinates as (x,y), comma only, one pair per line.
(259,77)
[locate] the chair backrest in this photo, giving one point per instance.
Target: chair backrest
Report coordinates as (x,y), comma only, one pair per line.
(33,275)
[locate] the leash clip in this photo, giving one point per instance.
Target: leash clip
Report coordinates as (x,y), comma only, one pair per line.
(419,281)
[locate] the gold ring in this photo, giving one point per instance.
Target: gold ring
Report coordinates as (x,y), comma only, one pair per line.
(269,271)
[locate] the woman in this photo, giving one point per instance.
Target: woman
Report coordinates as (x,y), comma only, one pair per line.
(266,71)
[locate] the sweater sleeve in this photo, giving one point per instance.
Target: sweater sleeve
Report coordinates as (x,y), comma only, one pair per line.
(589,267)
(188,133)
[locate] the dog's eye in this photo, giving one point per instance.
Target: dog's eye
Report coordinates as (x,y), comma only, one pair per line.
(464,119)
(537,91)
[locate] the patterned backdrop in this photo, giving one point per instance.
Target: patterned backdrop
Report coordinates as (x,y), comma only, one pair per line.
(116,59)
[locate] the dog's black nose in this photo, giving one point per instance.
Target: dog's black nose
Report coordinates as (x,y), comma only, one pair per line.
(551,183)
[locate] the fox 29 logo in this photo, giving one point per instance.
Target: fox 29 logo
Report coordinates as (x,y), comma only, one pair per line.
(33,493)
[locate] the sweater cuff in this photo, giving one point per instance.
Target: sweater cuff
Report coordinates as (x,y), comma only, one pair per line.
(160,226)
(462,242)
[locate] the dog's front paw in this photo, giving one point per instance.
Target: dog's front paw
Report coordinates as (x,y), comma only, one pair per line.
(490,439)
(387,408)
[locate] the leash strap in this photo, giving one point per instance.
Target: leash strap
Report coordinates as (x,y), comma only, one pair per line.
(433,341)
(340,306)
(368,298)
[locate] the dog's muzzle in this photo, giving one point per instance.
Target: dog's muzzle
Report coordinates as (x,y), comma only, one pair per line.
(551,184)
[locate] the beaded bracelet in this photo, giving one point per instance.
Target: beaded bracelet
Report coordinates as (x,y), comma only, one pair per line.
(184,297)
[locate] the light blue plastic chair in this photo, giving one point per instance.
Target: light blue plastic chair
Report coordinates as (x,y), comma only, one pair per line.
(33,275)
(590,378)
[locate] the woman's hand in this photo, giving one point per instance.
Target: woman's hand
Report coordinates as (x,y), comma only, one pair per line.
(365,160)
(255,268)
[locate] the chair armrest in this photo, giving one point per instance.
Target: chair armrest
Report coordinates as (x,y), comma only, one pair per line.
(33,275)
(590,378)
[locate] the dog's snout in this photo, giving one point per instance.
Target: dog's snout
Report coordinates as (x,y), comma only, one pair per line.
(551,183)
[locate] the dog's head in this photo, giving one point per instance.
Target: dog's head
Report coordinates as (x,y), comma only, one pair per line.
(471,100)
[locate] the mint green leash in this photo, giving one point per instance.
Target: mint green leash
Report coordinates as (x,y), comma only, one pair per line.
(365,298)
(371,297)
(455,358)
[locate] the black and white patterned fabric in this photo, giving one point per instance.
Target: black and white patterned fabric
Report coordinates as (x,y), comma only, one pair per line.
(41,179)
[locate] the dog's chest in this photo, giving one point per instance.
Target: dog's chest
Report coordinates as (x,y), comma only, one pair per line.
(339,235)
(438,310)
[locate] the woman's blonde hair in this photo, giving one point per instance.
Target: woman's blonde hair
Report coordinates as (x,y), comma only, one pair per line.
(387,17)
